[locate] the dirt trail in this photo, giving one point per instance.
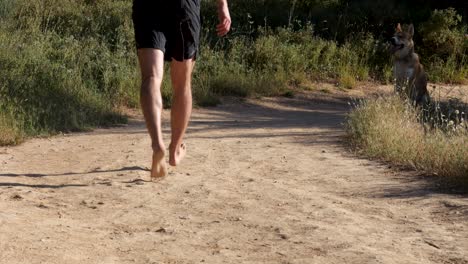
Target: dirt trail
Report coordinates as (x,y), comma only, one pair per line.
(264,182)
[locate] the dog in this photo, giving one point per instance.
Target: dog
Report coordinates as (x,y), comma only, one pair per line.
(411,80)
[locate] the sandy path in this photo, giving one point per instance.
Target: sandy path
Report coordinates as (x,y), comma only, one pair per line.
(264,182)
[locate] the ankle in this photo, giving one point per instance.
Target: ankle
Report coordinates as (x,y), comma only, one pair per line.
(159,149)
(173,147)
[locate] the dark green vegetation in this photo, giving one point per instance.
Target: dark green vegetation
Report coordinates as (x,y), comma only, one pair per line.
(65,65)
(70,64)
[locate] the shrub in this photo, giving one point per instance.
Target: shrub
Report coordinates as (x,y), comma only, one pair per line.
(440,34)
(445,46)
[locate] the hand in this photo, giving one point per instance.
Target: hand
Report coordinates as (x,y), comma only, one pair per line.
(224,19)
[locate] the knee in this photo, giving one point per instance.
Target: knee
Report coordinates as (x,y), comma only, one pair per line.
(150,84)
(151,90)
(150,80)
(182,91)
(180,85)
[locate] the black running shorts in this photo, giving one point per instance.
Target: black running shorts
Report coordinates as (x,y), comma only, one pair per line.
(172,26)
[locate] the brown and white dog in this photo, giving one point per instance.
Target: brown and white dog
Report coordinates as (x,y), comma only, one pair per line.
(411,80)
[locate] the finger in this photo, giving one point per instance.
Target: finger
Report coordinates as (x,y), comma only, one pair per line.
(222,33)
(225,26)
(228,25)
(222,30)
(224,23)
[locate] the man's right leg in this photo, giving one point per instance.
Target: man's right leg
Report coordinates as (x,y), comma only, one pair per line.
(152,70)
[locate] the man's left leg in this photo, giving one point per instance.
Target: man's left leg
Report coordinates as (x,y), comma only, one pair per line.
(181,75)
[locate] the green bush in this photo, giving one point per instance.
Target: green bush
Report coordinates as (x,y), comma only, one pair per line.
(440,34)
(445,46)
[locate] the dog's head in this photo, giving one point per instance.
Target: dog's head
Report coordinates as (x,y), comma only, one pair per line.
(402,41)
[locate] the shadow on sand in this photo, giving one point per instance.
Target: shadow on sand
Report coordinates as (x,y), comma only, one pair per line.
(39,186)
(39,175)
(298,116)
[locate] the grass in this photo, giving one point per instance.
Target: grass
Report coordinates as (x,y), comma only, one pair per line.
(70,65)
(9,132)
(390,129)
(60,74)
(347,80)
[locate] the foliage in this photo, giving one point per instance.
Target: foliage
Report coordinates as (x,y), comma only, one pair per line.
(56,80)
(71,64)
(440,33)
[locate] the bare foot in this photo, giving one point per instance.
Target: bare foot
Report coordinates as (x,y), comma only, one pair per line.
(158,170)
(177,154)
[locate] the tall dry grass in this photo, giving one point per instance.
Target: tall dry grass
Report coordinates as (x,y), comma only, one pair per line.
(10,134)
(390,129)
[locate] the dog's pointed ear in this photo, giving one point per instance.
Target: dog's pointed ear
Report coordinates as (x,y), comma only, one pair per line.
(411,30)
(398,28)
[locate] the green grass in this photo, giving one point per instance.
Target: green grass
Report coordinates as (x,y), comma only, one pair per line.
(70,65)
(57,76)
(10,134)
(347,80)
(390,129)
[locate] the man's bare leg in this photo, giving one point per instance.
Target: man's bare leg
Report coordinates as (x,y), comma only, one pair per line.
(152,70)
(181,75)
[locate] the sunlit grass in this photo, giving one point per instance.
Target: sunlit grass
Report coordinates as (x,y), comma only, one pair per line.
(392,130)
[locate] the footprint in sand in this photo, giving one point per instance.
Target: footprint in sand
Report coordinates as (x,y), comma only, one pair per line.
(17,197)
(91,204)
(135,182)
